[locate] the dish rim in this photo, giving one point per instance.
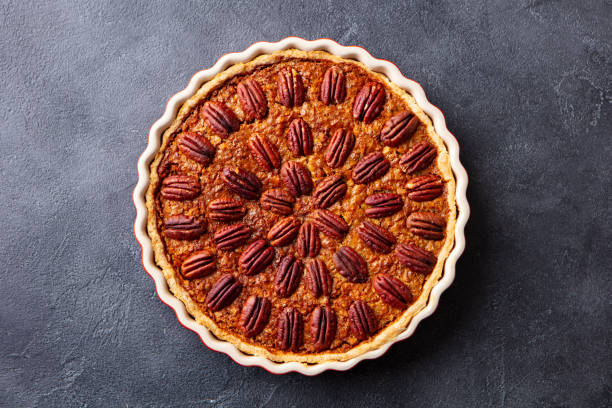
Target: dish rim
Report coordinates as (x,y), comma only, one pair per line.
(155,137)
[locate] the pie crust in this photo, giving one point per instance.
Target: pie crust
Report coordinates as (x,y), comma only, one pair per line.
(346,347)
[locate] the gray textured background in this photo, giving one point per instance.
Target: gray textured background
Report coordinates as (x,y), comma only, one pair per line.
(526,87)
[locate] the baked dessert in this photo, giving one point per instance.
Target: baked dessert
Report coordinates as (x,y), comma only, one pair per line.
(302,207)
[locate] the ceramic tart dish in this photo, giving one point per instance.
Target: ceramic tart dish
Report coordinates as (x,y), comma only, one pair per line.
(301,206)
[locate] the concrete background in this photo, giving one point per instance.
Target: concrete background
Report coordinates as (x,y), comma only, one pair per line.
(526,87)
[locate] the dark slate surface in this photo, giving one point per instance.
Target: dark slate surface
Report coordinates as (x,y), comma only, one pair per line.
(527,89)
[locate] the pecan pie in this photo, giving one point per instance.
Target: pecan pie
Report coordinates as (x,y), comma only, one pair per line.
(302,207)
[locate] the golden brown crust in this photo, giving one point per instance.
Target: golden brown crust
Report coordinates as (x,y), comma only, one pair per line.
(193,307)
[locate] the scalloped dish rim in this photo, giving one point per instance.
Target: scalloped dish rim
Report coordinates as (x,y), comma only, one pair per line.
(384,67)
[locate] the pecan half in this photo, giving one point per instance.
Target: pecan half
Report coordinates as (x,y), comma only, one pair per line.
(196,147)
(369,102)
(242,182)
(399,128)
(265,152)
(370,168)
(340,147)
(383,205)
(198,265)
(225,209)
(290,330)
(318,278)
(255,315)
(256,257)
(419,157)
(296,178)
(330,190)
(392,291)
(330,224)
(300,138)
(290,87)
(362,320)
(416,258)
(351,265)
(425,188)
(333,87)
(252,99)
(323,327)
(284,231)
(180,187)
(308,241)
(165,164)
(376,237)
(223,292)
(427,225)
(183,227)
(231,236)
(288,276)
(278,201)
(221,119)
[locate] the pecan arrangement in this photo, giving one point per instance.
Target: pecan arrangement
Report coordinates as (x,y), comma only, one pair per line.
(302,206)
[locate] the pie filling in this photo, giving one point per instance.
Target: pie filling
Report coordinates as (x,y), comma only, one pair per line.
(301,206)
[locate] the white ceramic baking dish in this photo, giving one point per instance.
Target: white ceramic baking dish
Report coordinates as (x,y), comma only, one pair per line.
(155,136)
